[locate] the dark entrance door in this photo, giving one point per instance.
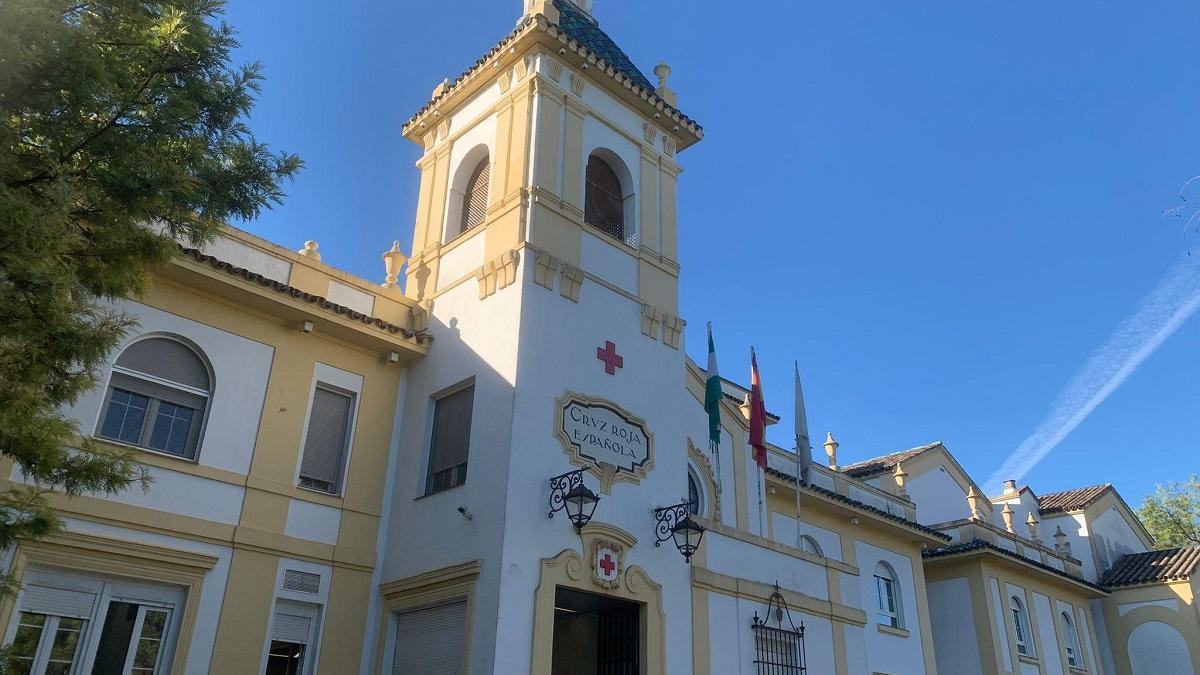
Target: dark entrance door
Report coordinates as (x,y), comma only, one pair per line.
(595,635)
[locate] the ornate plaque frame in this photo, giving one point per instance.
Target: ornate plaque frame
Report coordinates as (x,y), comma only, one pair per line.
(607,473)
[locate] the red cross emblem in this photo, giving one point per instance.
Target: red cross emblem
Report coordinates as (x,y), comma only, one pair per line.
(612,360)
(608,564)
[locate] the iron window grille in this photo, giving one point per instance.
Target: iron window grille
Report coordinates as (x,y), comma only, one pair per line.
(778,649)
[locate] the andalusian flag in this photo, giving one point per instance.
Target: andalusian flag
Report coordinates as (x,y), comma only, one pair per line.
(713,394)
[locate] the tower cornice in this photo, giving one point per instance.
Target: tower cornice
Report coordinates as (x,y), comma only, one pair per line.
(531,33)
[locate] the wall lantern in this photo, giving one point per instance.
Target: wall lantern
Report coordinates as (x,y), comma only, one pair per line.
(675,524)
(568,492)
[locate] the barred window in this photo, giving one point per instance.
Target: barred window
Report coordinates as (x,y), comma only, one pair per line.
(475,196)
(604,203)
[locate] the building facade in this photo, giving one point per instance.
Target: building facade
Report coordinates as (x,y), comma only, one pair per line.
(503,464)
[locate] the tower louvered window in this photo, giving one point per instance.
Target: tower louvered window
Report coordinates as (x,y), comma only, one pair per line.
(603,204)
(475,197)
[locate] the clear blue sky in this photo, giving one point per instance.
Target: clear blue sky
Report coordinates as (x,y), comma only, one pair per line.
(940,208)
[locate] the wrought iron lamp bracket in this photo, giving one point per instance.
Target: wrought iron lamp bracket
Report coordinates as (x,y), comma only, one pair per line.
(668,517)
(560,486)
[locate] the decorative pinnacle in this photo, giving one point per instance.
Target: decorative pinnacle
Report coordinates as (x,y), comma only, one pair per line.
(662,71)
(831,447)
(310,250)
(393,260)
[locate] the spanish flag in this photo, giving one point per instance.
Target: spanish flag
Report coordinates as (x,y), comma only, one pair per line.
(758,415)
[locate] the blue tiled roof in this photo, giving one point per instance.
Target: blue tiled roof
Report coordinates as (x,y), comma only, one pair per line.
(584,30)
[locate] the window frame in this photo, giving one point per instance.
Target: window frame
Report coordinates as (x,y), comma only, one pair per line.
(1022,629)
(105,591)
(1071,643)
(323,381)
(628,196)
(427,475)
(463,225)
(884,616)
(159,390)
(813,543)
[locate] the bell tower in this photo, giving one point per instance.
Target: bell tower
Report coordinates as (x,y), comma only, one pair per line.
(554,145)
(545,255)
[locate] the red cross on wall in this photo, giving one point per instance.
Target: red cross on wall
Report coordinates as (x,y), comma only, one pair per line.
(608,564)
(612,360)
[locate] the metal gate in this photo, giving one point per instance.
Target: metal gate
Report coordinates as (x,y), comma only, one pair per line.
(619,642)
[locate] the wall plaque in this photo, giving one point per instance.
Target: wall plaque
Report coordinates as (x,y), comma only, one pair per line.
(613,443)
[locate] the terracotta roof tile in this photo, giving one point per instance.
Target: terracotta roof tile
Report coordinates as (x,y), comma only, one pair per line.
(1071,500)
(878,465)
(419,336)
(1152,566)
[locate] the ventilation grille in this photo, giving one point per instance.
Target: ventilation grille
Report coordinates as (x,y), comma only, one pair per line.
(301,582)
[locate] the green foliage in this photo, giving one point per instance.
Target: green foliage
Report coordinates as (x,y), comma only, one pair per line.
(1172,513)
(122,133)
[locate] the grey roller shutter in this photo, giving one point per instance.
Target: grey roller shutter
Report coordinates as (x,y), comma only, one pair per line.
(166,359)
(431,641)
(451,430)
(57,601)
(325,442)
(291,628)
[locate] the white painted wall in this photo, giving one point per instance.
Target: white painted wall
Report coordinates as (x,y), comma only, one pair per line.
(1048,645)
(1157,648)
(889,653)
(1112,537)
(955,642)
(240,370)
(247,257)
(938,497)
(1000,616)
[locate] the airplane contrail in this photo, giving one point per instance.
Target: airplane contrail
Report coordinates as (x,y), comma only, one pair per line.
(1159,314)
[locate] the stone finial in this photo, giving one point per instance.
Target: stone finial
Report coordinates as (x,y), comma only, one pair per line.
(901,477)
(1007,514)
(1032,523)
(973,502)
(662,71)
(1010,487)
(745,407)
(544,7)
(831,447)
(310,250)
(393,260)
(1061,545)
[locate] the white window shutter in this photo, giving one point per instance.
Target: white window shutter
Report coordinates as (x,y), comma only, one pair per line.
(291,628)
(431,641)
(58,602)
(325,442)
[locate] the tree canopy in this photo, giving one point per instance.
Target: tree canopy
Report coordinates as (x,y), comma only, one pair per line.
(122,134)
(1172,513)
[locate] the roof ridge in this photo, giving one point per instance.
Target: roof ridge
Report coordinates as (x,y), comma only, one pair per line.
(1079,489)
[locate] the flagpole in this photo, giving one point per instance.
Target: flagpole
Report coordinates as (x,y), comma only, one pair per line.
(799,448)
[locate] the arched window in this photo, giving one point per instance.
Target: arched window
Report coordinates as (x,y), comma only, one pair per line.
(887,596)
(695,502)
(156,397)
(1021,626)
(810,545)
(604,199)
(1072,641)
(475,196)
